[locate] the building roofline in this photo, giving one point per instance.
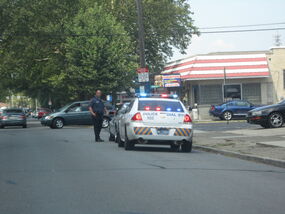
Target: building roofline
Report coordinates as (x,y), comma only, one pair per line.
(224,53)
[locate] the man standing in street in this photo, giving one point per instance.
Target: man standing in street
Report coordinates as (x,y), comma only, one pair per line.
(97,109)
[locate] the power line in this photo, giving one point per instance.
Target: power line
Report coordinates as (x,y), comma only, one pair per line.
(241,26)
(114,35)
(241,31)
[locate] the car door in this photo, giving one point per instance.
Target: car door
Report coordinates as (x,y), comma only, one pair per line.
(243,107)
(73,114)
(86,118)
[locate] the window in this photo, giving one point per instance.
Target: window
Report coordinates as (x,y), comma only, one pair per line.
(211,94)
(232,92)
(152,105)
(242,104)
(84,106)
(75,108)
(251,92)
(130,106)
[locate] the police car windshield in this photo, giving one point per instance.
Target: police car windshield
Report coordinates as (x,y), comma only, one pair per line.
(160,105)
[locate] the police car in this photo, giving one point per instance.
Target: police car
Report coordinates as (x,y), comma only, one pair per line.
(159,119)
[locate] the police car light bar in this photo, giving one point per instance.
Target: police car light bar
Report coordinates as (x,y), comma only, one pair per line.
(169,96)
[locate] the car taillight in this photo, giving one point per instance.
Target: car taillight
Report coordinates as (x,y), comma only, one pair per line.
(158,108)
(4,117)
(164,95)
(23,116)
(187,118)
(212,108)
(147,108)
(137,117)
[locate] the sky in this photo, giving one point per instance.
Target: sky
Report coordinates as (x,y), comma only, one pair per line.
(213,13)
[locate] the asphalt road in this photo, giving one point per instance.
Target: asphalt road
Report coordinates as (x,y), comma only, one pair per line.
(44,171)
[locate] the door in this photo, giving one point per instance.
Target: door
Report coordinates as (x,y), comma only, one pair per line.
(86,118)
(243,107)
(73,115)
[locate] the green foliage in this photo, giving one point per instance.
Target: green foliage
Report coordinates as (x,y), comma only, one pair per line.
(66,49)
(102,57)
(167,24)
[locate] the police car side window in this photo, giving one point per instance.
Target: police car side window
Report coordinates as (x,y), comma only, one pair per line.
(130,107)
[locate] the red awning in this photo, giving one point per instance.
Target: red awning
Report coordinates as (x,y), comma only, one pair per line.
(212,67)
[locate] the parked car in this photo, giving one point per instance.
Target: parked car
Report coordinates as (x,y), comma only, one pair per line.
(41,112)
(231,109)
(158,120)
(271,116)
(13,117)
(114,123)
(76,113)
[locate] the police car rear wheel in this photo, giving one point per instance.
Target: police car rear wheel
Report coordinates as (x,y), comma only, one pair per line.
(186,146)
(129,145)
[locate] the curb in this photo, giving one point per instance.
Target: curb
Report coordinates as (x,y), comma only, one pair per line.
(217,121)
(269,161)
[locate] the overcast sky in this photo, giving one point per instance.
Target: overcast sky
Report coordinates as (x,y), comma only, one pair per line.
(210,13)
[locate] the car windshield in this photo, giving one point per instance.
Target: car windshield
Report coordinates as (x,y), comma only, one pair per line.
(153,105)
(282,102)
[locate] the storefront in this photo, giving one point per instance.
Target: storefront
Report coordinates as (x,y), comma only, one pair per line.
(215,78)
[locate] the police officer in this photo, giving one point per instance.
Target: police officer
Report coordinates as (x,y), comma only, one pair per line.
(97,109)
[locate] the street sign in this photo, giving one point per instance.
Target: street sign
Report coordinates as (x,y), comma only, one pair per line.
(171,81)
(142,89)
(143,74)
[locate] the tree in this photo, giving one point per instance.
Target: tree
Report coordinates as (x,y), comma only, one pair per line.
(99,56)
(168,24)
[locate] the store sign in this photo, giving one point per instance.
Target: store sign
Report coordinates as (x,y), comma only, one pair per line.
(143,74)
(170,81)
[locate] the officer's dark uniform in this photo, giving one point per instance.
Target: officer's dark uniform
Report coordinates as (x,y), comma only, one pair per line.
(98,108)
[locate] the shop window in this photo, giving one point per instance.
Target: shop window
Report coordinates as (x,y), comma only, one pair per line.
(211,94)
(251,92)
(232,92)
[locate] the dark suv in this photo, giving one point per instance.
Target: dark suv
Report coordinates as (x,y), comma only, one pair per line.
(76,113)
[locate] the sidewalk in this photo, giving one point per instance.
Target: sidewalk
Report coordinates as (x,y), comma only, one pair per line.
(257,142)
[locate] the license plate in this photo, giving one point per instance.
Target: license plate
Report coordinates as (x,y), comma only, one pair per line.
(162,131)
(14,118)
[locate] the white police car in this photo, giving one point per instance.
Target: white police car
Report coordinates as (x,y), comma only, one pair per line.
(156,119)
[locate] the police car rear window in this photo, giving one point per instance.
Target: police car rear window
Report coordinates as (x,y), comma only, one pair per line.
(154,105)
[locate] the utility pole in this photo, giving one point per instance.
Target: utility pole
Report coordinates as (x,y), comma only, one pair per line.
(141,33)
(277,39)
